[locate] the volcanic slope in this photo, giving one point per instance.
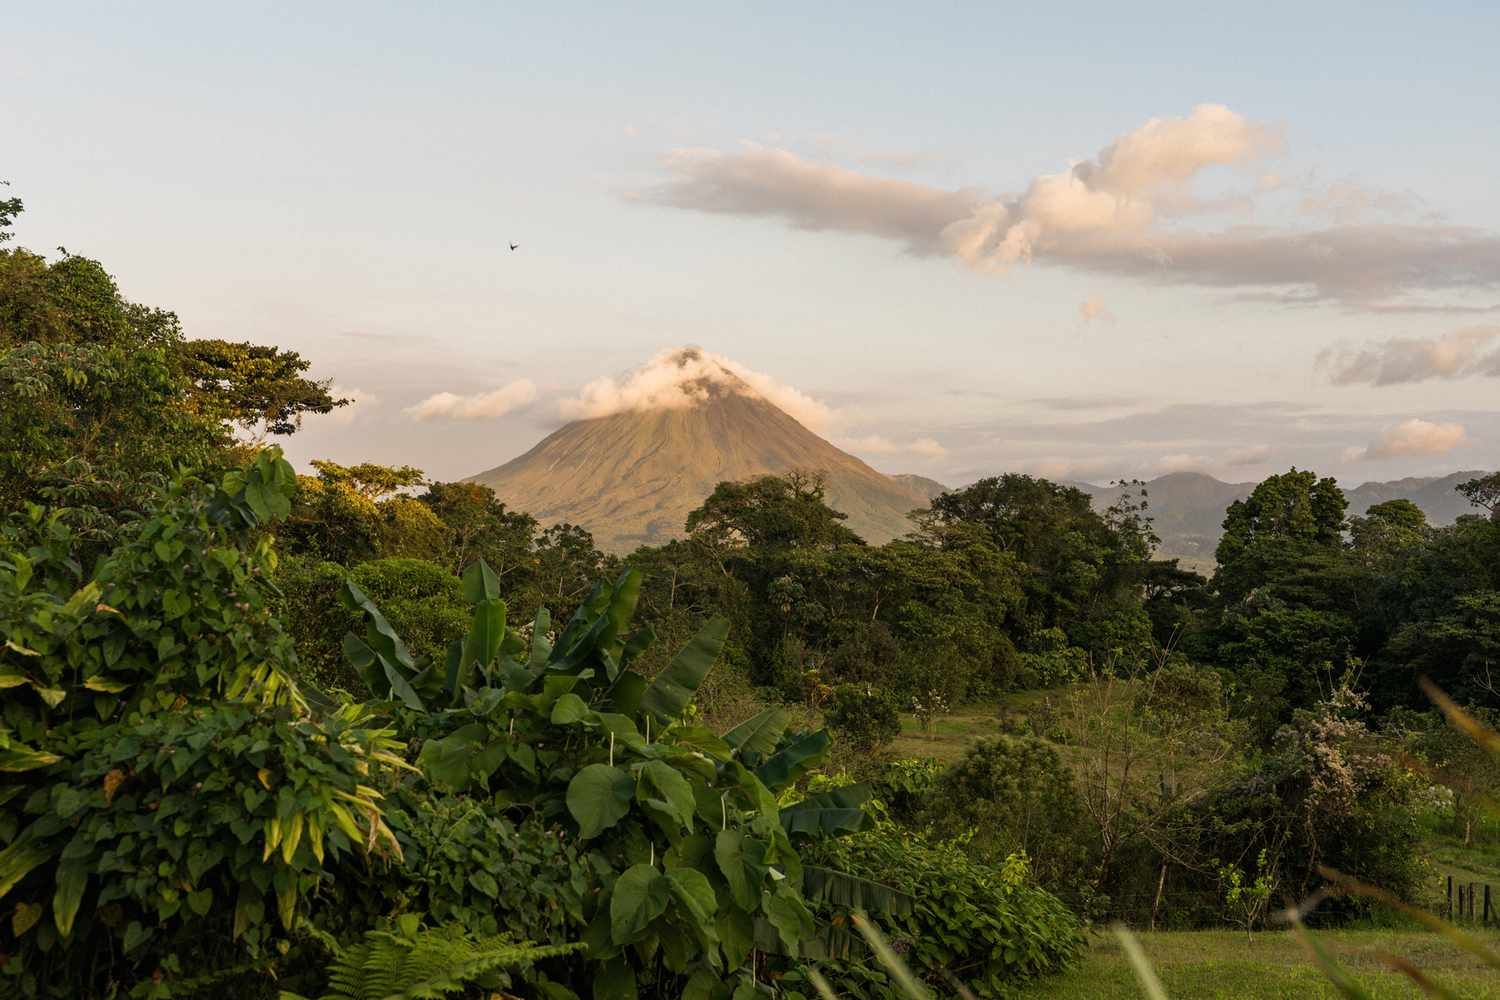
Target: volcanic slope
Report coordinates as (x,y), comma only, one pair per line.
(631,477)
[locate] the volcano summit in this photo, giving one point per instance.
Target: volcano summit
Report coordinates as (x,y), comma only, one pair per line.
(647,450)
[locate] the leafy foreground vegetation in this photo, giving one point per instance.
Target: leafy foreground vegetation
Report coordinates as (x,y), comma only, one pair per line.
(322,734)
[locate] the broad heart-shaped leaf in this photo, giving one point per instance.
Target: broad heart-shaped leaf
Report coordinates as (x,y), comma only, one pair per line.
(448,761)
(480,582)
(786,766)
(702,740)
(826,815)
(742,860)
(736,936)
(568,709)
(381,637)
(483,643)
(759,733)
(661,787)
(695,896)
(72,877)
(790,916)
(639,897)
(673,688)
(599,796)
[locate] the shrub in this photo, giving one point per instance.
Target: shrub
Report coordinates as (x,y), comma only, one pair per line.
(169,802)
(864,716)
(1013,794)
(965,919)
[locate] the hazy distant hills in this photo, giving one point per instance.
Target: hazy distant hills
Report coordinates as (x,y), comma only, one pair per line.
(632,477)
(1188,507)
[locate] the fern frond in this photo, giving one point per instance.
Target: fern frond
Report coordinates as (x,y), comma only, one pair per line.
(428,965)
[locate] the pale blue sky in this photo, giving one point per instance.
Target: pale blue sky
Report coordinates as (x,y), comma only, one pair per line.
(343,180)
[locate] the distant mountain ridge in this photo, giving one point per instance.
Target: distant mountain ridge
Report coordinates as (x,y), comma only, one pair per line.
(632,476)
(1188,507)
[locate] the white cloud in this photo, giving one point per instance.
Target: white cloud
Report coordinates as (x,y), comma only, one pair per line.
(876,444)
(808,195)
(1409,359)
(1092,310)
(1252,455)
(1410,437)
(479,406)
(359,403)
(687,376)
(1116,214)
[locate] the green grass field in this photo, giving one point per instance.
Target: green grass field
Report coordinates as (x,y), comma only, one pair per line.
(1221,964)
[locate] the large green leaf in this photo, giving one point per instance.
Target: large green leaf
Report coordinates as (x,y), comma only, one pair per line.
(541,646)
(827,815)
(673,688)
(639,897)
(787,765)
(381,638)
(599,796)
(790,917)
(20,758)
(20,857)
(382,676)
(622,601)
(742,859)
(72,878)
(449,761)
(759,733)
(849,892)
(697,903)
(483,643)
(480,582)
(663,788)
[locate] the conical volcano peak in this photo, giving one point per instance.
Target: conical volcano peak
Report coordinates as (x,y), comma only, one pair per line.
(646,448)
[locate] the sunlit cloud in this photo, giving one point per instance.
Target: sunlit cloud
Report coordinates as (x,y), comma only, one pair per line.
(1469,352)
(1121,212)
(684,377)
(478,406)
(359,404)
(1408,438)
(876,444)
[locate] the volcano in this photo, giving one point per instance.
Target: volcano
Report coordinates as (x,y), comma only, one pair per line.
(662,441)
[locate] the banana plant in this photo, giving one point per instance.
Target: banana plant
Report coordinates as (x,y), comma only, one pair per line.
(698,865)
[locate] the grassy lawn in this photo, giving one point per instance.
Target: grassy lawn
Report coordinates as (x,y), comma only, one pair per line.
(1221,964)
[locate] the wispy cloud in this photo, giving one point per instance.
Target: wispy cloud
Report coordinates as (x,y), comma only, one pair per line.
(1408,438)
(1117,213)
(876,444)
(1472,351)
(360,402)
(478,406)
